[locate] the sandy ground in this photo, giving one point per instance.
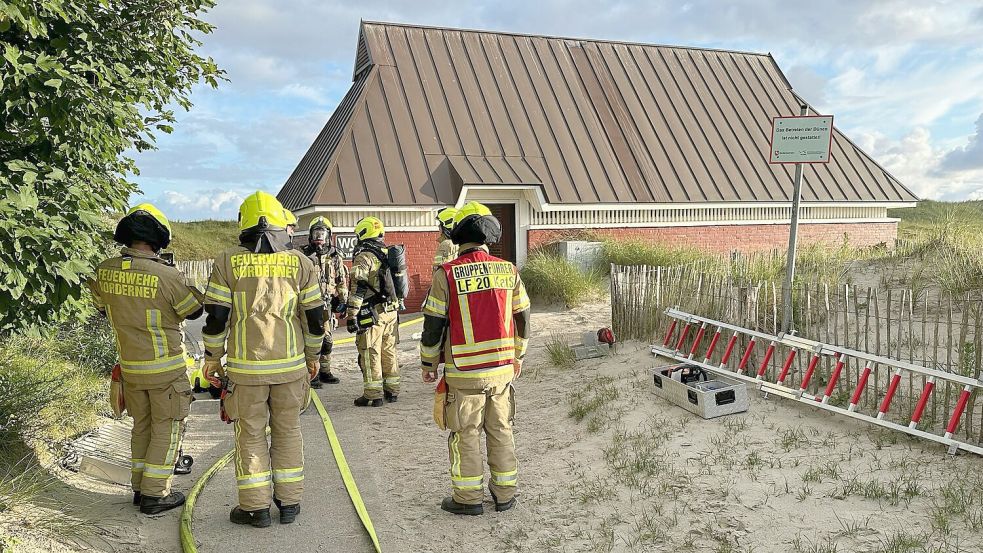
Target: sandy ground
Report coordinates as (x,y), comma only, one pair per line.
(605,465)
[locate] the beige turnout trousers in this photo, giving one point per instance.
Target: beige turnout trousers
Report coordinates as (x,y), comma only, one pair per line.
(475,405)
(158,426)
(377,356)
(280,461)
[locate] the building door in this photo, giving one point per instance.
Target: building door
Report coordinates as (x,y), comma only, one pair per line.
(505,248)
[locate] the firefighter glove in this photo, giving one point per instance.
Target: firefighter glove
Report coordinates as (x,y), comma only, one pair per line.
(516,368)
(312,368)
(214,372)
(352,325)
(340,308)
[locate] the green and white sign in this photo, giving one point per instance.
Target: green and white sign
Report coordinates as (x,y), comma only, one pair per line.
(801,139)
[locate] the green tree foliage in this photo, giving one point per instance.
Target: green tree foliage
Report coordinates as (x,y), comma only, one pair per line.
(81,82)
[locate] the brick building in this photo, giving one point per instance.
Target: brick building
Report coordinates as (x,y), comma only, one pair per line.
(563,135)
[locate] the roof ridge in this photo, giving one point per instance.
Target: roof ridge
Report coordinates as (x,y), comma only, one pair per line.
(556,37)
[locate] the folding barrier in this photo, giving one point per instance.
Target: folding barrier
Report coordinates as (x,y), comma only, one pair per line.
(673,346)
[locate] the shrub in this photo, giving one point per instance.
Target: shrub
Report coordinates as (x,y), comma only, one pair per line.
(46,398)
(551,278)
(83,84)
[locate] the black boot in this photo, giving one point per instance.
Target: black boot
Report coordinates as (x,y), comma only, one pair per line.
(390,397)
(288,513)
(136,498)
(156,505)
(328,378)
(315,383)
(366,402)
(256,519)
(451,506)
(502,506)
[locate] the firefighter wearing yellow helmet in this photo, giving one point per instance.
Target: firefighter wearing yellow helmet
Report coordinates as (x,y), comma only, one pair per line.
(446,249)
(333,278)
(372,316)
(265,315)
(291,224)
(476,322)
(146,300)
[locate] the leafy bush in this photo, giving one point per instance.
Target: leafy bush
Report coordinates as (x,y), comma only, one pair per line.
(81,82)
(551,278)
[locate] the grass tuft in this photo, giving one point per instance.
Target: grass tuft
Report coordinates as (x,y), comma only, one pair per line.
(592,398)
(550,278)
(560,352)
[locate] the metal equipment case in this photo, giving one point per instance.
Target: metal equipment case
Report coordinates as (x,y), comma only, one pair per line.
(706,398)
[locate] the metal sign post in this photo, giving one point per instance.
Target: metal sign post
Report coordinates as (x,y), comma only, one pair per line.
(798,140)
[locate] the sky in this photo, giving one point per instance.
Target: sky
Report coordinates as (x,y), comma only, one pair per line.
(903,78)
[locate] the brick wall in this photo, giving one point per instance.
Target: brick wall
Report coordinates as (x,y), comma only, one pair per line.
(420,249)
(726,238)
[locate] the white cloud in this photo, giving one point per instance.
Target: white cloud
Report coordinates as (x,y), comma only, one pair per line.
(204,204)
(305,92)
(893,72)
(968,157)
(918,164)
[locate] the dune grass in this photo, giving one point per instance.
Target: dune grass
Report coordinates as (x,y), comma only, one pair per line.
(52,388)
(552,279)
(559,351)
(202,239)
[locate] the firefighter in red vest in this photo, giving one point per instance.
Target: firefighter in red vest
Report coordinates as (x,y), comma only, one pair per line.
(476,322)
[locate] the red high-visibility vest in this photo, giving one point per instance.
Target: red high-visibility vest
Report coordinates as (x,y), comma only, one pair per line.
(482,334)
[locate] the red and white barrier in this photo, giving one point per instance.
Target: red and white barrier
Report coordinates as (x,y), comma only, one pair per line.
(818,351)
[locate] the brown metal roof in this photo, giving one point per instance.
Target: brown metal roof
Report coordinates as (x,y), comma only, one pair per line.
(590,121)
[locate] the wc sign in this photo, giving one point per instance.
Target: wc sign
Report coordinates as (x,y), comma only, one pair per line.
(345,244)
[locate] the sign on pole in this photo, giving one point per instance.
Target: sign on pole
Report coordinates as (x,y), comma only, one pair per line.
(798,140)
(802,139)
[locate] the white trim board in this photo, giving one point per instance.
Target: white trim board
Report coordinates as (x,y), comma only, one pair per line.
(714,223)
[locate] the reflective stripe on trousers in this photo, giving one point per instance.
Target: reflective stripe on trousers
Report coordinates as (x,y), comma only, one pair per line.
(458,481)
(248,481)
(283,476)
(505,478)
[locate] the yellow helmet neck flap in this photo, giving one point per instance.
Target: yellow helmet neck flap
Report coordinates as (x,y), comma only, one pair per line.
(144,223)
(264,241)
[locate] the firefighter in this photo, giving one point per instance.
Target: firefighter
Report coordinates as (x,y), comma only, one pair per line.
(291,226)
(333,276)
(372,315)
(446,249)
(146,300)
(476,322)
(265,314)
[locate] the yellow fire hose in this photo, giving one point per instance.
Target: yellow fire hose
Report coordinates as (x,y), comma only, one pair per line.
(346,473)
(188,544)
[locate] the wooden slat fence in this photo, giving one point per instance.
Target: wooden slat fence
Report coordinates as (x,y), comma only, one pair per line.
(196,271)
(926,327)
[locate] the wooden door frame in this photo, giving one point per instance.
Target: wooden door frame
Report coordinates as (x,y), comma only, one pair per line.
(515,224)
(513,195)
